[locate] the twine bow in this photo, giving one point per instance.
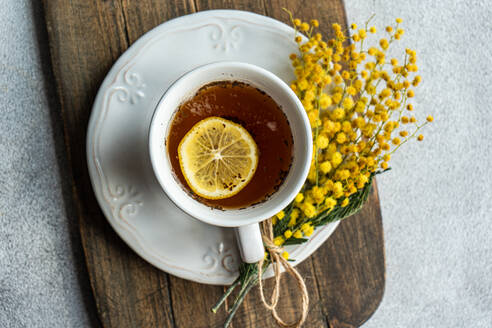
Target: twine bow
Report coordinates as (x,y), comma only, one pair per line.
(277,260)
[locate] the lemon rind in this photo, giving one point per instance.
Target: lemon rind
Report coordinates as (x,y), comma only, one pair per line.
(239,186)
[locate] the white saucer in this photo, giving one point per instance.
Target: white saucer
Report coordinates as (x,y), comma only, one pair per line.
(117,142)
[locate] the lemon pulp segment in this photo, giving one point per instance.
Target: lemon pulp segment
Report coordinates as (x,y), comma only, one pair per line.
(218,158)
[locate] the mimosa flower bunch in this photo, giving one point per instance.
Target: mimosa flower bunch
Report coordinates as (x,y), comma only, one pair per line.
(359,104)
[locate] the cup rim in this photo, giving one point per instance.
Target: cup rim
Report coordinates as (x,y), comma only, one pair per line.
(163,170)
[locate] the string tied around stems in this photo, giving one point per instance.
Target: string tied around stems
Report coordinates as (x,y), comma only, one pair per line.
(277,260)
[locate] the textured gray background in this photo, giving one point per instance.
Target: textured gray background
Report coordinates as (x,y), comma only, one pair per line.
(436,202)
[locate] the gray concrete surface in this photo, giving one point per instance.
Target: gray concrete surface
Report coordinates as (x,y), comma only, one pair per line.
(436,202)
(43,282)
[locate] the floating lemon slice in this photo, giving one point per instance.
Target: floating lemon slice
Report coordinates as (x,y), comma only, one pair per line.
(218,158)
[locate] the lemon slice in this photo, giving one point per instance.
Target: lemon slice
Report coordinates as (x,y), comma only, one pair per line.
(218,158)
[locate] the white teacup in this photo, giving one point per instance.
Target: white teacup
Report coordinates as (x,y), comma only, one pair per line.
(245,220)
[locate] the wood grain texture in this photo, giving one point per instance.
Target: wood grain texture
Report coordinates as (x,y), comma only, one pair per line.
(345,277)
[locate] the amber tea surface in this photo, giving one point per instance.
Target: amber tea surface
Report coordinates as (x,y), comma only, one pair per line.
(256,112)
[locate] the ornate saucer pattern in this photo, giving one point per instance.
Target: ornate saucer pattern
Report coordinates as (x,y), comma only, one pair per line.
(117,140)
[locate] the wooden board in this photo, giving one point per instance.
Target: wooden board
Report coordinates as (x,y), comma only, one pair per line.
(345,277)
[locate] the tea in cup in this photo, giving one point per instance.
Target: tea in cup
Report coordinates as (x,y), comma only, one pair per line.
(231,145)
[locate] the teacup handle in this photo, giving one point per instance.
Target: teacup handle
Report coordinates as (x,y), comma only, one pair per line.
(250,243)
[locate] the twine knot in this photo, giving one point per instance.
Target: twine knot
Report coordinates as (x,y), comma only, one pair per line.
(277,260)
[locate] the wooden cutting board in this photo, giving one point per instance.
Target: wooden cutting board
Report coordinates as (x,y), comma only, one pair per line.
(345,277)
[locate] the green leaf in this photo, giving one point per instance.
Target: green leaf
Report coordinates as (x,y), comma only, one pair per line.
(281,225)
(295,241)
(356,201)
